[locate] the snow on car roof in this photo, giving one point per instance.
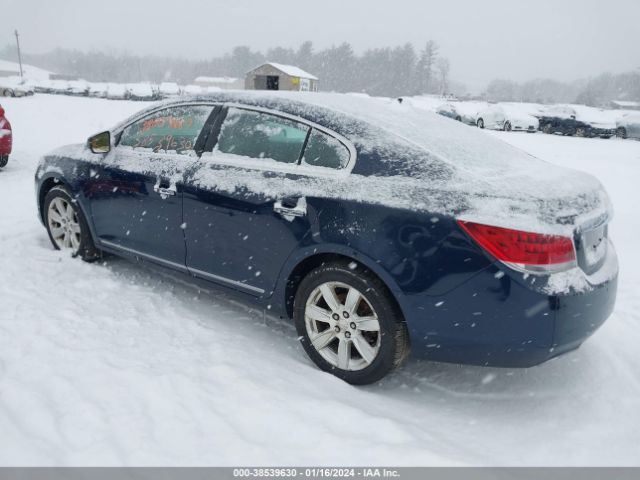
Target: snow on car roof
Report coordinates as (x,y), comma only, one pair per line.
(446,166)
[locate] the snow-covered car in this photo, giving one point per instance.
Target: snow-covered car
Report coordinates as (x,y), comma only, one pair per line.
(142,92)
(15,89)
(378,227)
(507,118)
(628,126)
(564,120)
(454,112)
(78,88)
(117,91)
(169,89)
(98,89)
(59,87)
(6,138)
(192,90)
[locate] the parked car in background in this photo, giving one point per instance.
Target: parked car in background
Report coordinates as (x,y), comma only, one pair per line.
(192,90)
(628,126)
(169,89)
(142,92)
(98,89)
(78,88)
(293,202)
(117,91)
(507,118)
(562,119)
(6,138)
(59,87)
(454,112)
(14,88)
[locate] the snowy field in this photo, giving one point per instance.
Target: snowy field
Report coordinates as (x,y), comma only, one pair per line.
(116,364)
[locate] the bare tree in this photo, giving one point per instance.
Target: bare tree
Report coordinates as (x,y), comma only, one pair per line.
(425,68)
(443,75)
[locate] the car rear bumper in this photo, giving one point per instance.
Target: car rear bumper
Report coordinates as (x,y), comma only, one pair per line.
(498,319)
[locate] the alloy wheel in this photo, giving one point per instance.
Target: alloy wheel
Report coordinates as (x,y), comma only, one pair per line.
(63,224)
(342,326)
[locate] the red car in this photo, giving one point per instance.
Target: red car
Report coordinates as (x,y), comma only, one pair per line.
(6,138)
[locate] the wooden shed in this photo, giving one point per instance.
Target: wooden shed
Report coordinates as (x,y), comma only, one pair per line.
(276,76)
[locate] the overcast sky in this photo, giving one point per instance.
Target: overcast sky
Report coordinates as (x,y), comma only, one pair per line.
(484,39)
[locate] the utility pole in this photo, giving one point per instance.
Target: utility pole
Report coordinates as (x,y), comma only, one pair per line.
(19,56)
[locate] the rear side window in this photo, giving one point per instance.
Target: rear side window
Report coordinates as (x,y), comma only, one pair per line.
(173,130)
(325,151)
(260,135)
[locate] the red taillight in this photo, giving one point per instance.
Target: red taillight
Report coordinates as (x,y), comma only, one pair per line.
(522,248)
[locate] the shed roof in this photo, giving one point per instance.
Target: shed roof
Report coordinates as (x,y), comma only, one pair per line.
(290,70)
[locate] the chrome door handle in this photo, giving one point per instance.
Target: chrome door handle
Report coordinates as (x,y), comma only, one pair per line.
(289,213)
(164,192)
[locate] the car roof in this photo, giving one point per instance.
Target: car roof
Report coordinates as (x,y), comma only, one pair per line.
(399,135)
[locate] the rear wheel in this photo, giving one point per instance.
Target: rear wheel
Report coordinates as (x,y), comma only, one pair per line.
(507,126)
(67,226)
(547,128)
(621,132)
(480,123)
(4,159)
(581,132)
(349,324)
(7,92)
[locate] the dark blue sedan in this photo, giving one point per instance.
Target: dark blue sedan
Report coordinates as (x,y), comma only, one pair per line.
(379,228)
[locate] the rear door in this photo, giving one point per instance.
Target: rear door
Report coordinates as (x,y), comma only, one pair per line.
(136,192)
(243,211)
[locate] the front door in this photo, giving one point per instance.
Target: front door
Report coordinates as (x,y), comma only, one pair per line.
(239,232)
(136,193)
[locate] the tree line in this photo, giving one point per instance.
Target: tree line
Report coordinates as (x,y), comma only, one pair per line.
(388,71)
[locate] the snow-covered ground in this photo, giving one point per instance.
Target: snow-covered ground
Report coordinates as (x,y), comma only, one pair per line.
(116,364)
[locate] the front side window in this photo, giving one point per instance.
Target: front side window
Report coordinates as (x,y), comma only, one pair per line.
(172,130)
(258,135)
(325,151)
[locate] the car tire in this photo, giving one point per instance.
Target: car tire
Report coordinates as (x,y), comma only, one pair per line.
(480,123)
(581,132)
(68,228)
(621,132)
(458,119)
(4,159)
(7,92)
(359,334)
(507,126)
(547,128)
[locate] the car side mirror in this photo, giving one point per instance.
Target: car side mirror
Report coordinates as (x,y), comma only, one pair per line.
(100,143)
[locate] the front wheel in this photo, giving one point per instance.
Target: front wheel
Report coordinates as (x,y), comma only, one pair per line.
(480,123)
(507,126)
(67,226)
(349,324)
(4,159)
